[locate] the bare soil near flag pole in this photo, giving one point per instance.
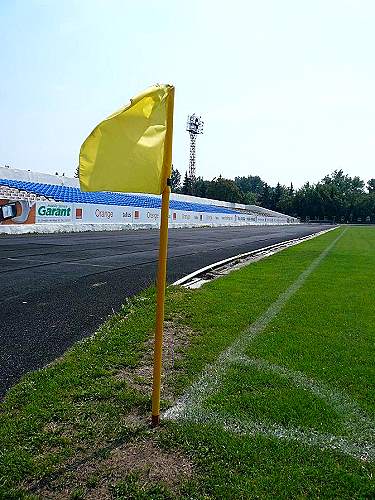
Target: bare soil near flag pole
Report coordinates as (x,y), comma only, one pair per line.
(268,390)
(57,289)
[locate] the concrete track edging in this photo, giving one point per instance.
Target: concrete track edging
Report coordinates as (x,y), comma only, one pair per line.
(271,249)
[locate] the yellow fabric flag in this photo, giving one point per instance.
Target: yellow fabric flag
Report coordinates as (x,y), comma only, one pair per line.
(127,151)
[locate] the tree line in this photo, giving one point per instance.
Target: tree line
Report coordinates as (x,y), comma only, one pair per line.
(337,197)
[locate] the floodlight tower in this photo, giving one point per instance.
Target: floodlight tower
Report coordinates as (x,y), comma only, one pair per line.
(194,126)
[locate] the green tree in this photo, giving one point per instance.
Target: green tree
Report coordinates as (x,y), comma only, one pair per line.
(225,190)
(340,194)
(265,197)
(336,197)
(285,204)
(277,192)
(200,187)
(250,184)
(175,180)
(250,198)
(187,185)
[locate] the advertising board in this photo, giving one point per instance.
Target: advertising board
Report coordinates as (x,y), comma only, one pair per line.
(146,215)
(26,212)
(110,214)
(16,212)
(47,212)
(245,219)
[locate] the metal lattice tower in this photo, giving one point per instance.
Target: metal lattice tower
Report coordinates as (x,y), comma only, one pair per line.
(193,140)
(194,126)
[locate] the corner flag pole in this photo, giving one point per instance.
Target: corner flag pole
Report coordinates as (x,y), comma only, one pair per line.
(162,266)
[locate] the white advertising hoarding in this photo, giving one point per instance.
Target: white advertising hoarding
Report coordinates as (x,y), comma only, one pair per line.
(185,217)
(146,216)
(227,219)
(56,212)
(245,219)
(111,214)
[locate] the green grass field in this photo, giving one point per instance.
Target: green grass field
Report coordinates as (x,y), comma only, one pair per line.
(271,394)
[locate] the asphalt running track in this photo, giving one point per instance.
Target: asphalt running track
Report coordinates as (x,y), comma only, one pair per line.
(58,288)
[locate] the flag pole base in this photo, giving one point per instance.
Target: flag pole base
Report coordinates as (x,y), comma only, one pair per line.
(155,420)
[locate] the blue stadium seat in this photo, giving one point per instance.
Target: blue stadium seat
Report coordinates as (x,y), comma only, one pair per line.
(73,194)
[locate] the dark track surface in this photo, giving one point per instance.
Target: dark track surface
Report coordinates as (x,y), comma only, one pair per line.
(57,289)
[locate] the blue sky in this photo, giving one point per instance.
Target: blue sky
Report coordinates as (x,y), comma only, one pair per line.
(286,88)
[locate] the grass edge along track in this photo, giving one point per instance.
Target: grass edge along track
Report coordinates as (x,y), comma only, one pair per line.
(261,431)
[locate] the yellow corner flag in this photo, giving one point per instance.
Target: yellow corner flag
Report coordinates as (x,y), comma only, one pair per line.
(126,151)
(131,151)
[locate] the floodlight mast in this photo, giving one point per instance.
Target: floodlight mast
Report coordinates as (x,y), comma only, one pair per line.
(194,126)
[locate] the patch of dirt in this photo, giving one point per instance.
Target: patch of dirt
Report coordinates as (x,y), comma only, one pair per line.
(137,419)
(91,478)
(176,340)
(154,463)
(59,428)
(94,479)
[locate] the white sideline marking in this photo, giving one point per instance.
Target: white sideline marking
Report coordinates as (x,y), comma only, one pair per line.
(190,405)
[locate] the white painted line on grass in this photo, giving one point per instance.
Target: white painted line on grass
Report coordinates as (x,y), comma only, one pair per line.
(213,373)
(351,413)
(190,406)
(364,451)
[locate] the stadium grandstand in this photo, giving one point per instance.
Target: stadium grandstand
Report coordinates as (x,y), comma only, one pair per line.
(60,193)
(20,185)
